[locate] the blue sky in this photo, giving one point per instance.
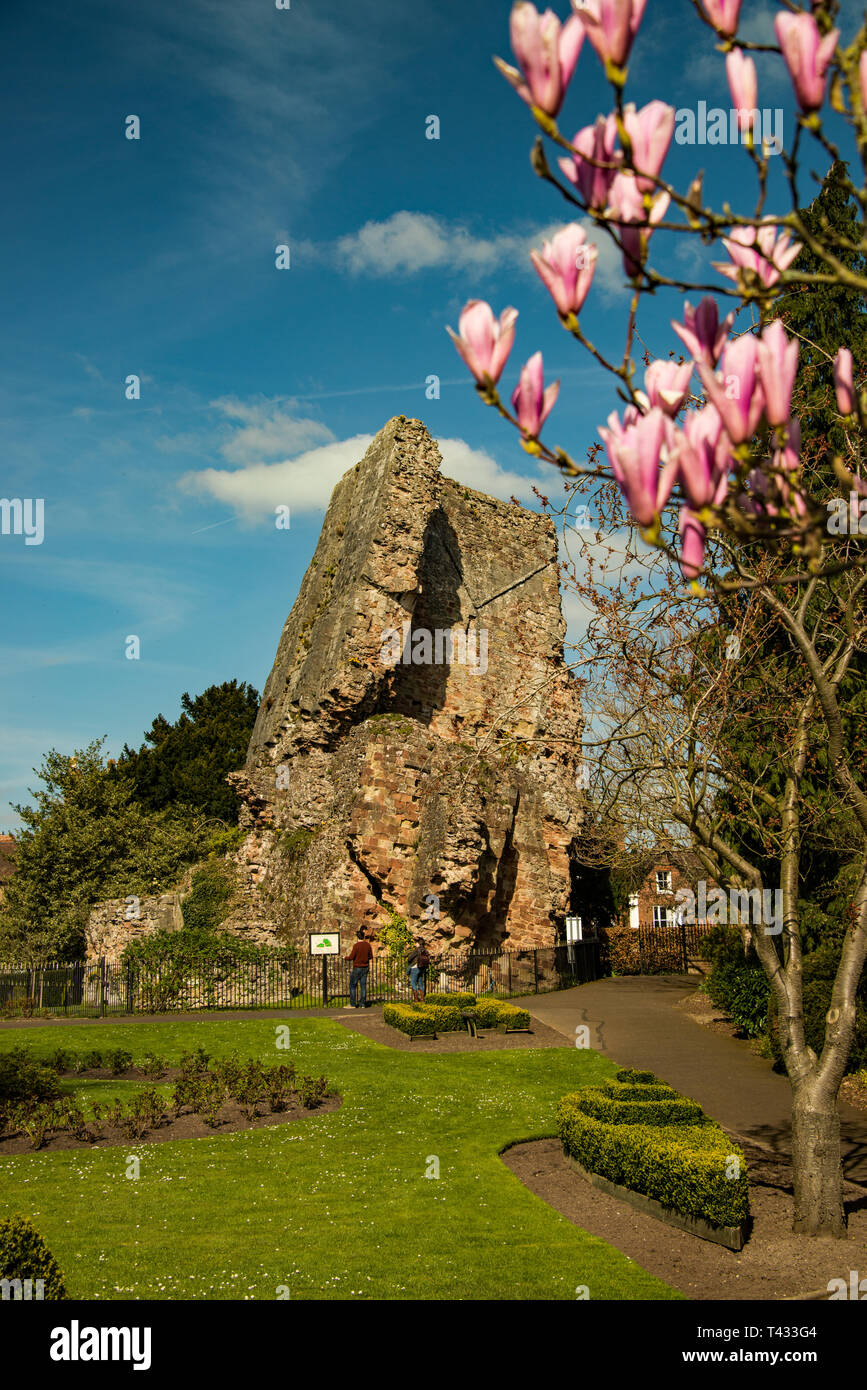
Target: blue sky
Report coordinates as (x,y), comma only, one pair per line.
(156,257)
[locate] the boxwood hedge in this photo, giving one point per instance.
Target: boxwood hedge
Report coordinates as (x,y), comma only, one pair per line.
(460,999)
(663,1147)
(436,1015)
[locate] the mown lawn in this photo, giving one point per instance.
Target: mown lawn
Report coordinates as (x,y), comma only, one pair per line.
(337,1206)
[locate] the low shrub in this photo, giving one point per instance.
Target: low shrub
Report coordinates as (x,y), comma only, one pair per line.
(312,1091)
(495,1013)
(510,1016)
(153,1066)
(413,1019)
(24,1255)
(638,1078)
(279,1084)
(118,1061)
(460,999)
(24,1079)
(666,1149)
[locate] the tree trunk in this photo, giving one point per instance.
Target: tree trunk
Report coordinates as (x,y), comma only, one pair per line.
(816,1165)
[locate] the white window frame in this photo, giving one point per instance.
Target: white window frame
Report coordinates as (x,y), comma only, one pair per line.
(665,886)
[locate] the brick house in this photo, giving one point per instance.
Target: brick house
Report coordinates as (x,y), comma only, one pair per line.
(655,904)
(7,861)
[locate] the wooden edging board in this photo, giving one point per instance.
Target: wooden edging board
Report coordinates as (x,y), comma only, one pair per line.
(732,1237)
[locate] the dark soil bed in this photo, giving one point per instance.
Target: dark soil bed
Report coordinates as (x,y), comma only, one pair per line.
(187,1125)
(370,1024)
(774,1263)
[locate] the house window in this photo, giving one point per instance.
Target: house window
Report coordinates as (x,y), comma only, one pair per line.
(661,917)
(663,880)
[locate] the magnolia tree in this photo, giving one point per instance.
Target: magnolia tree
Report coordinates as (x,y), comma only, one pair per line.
(725,583)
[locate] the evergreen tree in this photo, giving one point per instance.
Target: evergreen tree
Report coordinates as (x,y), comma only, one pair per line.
(186,763)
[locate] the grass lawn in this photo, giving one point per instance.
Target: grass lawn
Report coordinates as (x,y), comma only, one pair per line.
(336,1206)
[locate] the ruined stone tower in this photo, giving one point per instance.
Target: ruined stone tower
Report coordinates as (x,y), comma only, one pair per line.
(419,736)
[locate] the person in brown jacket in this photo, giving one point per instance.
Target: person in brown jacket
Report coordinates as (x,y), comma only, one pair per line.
(361,955)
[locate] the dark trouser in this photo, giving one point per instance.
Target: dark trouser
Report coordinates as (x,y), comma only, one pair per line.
(358,980)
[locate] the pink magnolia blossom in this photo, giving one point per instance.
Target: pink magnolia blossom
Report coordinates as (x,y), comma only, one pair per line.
(806,55)
(650,131)
(843,384)
(702,334)
(723,15)
(596,142)
(744,87)
(530,401)
(692,542)
(566,265)
(862,78)
(547,52)
(778,363)
(626,206)
(666,385)
(759,250)
(736,391)
(701,450)
(484,343)
(634,450)
(788,458)
(611,26)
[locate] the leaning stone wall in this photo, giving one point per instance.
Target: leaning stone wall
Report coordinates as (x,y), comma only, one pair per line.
(418,781)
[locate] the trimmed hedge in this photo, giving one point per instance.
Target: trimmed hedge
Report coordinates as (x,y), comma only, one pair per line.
(422,1020)
(666,1149)
(676,1110)
(24,1255)
(460,999)
(510,1016)
(434,1016)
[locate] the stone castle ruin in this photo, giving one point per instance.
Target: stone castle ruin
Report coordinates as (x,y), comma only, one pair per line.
(419,739)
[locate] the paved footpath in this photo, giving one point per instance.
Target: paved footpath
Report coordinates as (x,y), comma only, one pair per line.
(632,1020)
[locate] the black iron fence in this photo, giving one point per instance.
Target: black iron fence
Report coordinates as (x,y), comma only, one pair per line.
(98,988)
(670,949)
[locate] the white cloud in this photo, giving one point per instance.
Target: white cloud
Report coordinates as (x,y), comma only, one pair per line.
(478,470)
(408,243)
(305,483)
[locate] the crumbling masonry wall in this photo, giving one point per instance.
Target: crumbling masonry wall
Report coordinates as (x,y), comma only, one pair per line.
(374,785)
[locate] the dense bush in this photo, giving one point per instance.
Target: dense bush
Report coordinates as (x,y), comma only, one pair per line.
(23,1079)
(618,949)
(681,1164)
(737,983)
(24,1255)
